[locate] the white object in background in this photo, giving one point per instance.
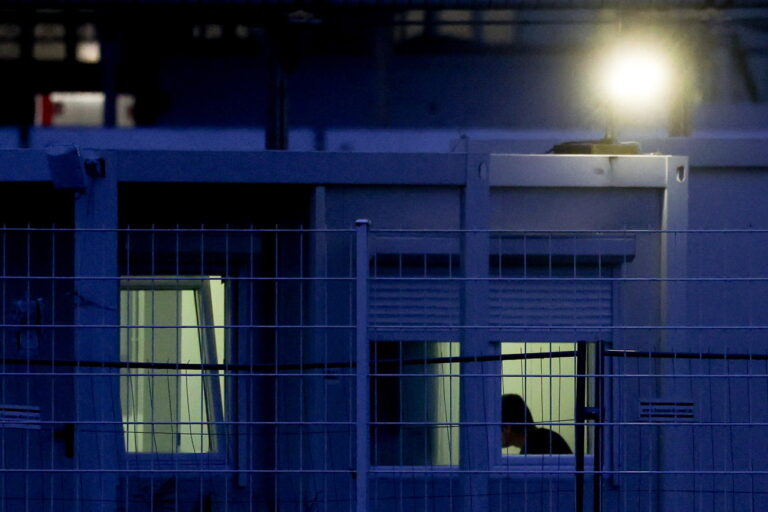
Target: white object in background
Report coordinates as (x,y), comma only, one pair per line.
(80,109)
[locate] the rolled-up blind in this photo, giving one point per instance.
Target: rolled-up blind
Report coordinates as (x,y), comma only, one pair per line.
(536,296)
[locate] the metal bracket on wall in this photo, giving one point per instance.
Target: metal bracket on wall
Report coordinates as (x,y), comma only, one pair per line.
(65,168)
(69,169)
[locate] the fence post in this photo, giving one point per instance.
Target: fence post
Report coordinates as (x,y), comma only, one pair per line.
(362,410)
(599,418)
(581,397)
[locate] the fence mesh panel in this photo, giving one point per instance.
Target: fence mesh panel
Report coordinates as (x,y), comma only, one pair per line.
(329,370)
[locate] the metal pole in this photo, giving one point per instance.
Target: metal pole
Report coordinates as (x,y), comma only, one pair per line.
(597,487)
(362,418)
(277,119)
(25,102)
(581,367)
(276,129)
(110,53)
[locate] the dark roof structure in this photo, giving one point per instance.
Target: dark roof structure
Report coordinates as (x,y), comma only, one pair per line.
(409,4)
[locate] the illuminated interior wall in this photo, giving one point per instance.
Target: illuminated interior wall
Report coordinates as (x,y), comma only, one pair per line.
(547,385)
(445,439)
(415,404)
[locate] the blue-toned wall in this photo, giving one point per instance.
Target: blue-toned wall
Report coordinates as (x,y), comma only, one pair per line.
(719,197)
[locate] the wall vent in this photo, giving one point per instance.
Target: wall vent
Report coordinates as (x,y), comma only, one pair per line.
(19,416)
(666,411)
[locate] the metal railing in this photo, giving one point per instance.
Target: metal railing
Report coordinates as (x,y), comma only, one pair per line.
(299,369)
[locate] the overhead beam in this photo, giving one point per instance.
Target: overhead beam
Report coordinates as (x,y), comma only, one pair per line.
(240,5)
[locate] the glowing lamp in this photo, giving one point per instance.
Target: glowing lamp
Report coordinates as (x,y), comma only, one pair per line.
(636,76)
(634,80)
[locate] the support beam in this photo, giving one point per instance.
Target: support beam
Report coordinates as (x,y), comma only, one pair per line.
(479,442)
(97,446)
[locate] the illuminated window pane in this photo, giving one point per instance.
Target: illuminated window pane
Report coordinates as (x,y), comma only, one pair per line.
(9,31)
(547,384)
(88,52)
(415,403)
(413,25)
(501,29)
(49,31)
(458,24)
(9,50)
(171,410)
(49,50)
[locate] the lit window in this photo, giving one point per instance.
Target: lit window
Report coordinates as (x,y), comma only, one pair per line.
(210,31)
(88,48)
(455,23)
(169,322)
(89,52)
(49,42)
(9,44)
(414,403)
(543,378)
(242,31)
(500,27)
(213,31)
(411,25)
(9,31)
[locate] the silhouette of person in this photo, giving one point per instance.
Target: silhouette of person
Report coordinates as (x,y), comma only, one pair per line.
(518,430)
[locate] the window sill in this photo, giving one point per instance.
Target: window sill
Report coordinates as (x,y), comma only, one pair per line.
(396,471)
(551,464)
(171,461)
(520,464)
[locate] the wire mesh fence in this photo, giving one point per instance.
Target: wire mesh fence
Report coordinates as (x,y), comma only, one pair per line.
(359,369)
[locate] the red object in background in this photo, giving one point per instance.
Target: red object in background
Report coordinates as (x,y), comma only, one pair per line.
(46,110)
(49,109)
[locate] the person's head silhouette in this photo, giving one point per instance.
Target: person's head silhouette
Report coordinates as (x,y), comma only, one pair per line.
(518,429)
(516,418)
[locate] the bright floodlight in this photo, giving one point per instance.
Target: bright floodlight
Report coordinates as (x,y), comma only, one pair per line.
(635,75)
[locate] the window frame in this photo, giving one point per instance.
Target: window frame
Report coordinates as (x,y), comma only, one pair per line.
(215,402)
(609,266)
(607,253)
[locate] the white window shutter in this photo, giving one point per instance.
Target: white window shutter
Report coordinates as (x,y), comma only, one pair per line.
(552,298)
(543,297)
